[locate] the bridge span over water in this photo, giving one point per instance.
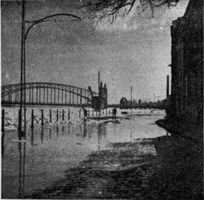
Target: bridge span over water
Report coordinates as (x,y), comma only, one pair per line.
(45,93)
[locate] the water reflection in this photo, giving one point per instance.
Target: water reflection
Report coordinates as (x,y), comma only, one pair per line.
(57,131)
(32,136)
(101,134)
(22,158)
(42,134)
(84,130)
(50,133)
(63,129)
(62,150)
(2,144)
(68,128)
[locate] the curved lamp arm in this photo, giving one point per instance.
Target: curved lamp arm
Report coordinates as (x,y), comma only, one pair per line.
(44,19)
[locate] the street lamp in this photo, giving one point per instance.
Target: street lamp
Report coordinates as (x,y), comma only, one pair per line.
(24,35)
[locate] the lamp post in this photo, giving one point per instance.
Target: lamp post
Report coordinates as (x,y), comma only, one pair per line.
(24,35)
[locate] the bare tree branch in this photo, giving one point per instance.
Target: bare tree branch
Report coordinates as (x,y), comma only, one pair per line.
(107,8)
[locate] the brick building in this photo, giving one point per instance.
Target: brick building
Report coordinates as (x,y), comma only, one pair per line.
(187,64)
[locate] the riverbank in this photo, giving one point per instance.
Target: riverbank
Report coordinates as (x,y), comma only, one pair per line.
(162,168)
(182,129)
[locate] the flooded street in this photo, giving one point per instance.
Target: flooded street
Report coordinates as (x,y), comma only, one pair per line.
(35,163)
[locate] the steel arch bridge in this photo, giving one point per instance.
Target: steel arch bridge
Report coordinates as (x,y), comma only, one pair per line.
(45,93)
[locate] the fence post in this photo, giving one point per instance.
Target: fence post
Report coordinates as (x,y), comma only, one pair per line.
(32,118)
(79,113)
(106,112)
(50,115)
(57,115)
(69,114)
(62,114)
(42,118)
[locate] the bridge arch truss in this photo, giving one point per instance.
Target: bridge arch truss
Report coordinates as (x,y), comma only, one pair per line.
(45,93)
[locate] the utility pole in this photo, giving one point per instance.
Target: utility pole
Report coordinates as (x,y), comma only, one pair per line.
(22,112)
(24,34)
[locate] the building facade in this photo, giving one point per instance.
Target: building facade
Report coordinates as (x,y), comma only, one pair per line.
(100,101)
(123,103)
(186,101)
(103,96)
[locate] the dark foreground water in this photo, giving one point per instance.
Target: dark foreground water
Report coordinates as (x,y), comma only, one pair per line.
(42,158)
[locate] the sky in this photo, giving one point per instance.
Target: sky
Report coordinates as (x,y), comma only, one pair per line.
(133,51)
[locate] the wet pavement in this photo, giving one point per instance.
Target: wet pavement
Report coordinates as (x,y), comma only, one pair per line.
(160,168)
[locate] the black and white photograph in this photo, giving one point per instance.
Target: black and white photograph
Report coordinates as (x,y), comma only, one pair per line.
(102,99)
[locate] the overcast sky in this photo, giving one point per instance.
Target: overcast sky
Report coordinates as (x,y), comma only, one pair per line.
(134,51)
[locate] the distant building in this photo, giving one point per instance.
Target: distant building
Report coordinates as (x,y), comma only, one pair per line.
(123,103)
(187,64)
(103,95)
(100,101)
(139,101)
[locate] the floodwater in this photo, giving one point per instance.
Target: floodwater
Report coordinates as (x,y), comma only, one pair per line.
(41,159)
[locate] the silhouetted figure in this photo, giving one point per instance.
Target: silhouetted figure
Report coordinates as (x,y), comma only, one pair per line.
(114,112)
(85,114)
